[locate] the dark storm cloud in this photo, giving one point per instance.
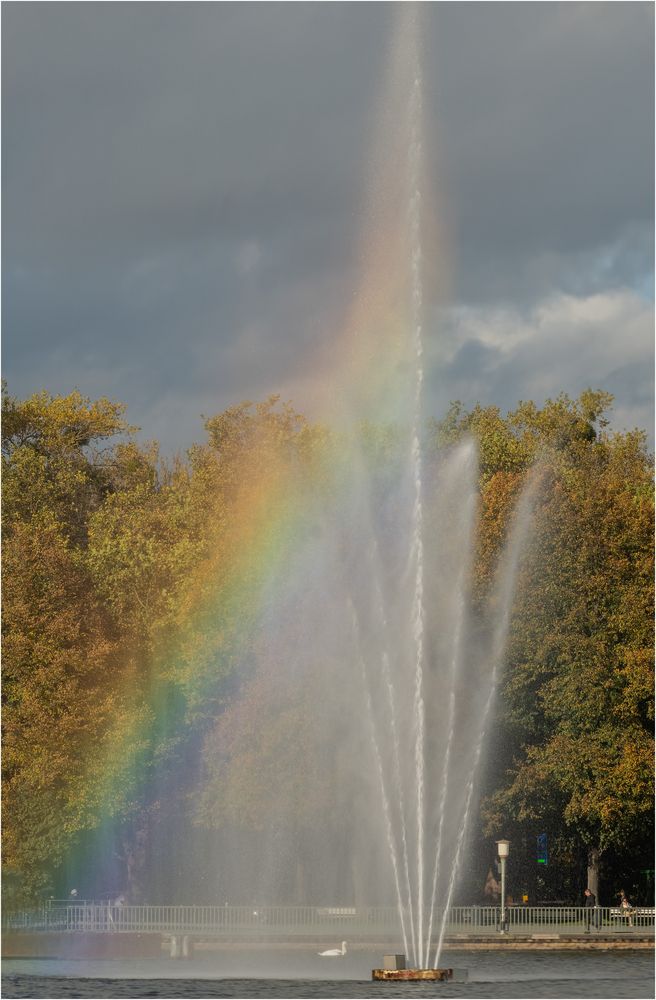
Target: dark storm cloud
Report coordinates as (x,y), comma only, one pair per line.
(546,122)
(135,125)
(182,182)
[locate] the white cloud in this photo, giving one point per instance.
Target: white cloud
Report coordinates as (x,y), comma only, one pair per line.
(563,343)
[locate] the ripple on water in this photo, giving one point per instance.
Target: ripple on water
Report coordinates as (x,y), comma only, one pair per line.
(503,976)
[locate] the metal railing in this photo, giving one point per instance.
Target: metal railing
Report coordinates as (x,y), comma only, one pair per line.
(249,922)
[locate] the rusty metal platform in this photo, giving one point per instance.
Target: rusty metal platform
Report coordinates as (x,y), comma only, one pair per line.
(412,975)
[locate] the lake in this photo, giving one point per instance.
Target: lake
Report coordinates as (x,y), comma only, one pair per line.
(612,974)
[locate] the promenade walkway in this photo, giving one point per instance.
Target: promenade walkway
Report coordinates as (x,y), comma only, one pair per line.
(298,923)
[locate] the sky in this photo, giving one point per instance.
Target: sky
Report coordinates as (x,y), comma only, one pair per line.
(183,188)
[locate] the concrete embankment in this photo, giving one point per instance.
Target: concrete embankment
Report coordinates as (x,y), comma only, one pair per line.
(552,942)
(102,945)
(510,942)
(19,944)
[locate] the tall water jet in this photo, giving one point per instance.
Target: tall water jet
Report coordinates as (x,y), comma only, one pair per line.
(371,643)
(422,577)
(414,226)
(469,507)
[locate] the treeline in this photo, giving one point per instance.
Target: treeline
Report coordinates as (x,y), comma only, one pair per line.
(131,589)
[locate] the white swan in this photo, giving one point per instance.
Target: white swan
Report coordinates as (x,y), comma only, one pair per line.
(333,952)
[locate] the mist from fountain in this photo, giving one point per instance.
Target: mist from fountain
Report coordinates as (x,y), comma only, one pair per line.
(427,661)
(372,631)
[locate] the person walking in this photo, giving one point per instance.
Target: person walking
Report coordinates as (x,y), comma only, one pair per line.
(590,910)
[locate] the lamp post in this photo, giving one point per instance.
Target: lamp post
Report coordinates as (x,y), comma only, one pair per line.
(503,850)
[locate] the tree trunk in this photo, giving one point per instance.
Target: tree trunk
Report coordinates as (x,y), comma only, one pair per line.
(134,854)
(593,872)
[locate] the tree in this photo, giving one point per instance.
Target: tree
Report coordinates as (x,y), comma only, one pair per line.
(55,457)
(577,701)
(135,589)
(63,685)
(180,556)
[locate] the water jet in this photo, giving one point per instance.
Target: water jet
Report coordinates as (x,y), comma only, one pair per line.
(374,617)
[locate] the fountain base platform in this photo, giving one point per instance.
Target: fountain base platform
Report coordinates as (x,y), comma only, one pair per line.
(419,975)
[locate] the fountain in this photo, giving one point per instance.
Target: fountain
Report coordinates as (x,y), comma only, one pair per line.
(428,672)
(374,614)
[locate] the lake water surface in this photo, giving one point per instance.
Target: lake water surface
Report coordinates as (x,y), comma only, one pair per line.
(495,974)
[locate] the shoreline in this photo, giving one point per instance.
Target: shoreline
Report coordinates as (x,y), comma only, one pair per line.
(154,946)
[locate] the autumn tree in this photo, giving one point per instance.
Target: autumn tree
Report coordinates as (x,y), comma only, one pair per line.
(61,665)
(577,701)
(134,590)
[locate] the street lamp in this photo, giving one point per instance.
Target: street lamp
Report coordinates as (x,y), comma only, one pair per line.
(503,850)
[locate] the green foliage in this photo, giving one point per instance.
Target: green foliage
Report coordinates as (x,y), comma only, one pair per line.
(131,588)
(61,663)
(53,459)
(578,696)
(262,758)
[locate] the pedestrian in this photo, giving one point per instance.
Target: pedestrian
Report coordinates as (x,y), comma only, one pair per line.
(492,889)
(590,910)
(625,907)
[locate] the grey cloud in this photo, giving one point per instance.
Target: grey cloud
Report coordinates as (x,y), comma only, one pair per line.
(146,144)
(154,121)
(158,122)
(564,344)
(547,127)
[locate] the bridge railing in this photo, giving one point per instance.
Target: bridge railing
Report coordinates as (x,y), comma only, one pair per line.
(298,921)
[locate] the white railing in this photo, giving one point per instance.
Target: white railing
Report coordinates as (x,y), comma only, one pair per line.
(298,921)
